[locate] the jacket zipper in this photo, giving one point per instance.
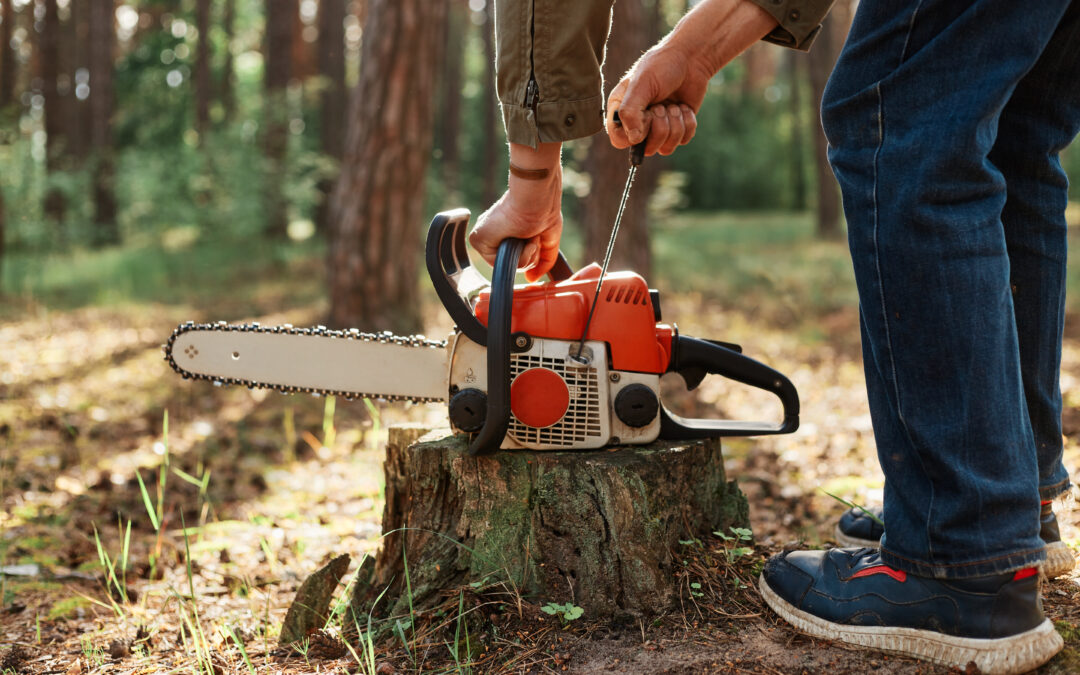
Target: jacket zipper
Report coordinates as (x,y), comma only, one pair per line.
(532,94)
(532,89)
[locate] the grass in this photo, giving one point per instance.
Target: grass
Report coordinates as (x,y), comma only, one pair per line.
(156,271)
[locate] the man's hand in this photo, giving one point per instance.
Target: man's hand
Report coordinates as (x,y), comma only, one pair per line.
(530,209)
(658,97)
(661,94)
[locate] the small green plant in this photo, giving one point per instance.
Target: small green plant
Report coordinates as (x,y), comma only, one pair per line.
(738,535)
(94,655)
(695,590)
(230,632)
(690,542)
(116,585)
(566,613)
(455,649)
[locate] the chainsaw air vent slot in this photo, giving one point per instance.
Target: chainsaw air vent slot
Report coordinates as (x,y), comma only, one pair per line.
(582,417)
(626,295)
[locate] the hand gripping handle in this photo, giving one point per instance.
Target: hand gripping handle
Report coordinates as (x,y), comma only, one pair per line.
(455,279)
(692,354)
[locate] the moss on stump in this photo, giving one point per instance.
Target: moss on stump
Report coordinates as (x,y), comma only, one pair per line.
(594,528)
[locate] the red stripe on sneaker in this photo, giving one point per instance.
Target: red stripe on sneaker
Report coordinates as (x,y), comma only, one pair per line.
(1025,573)
(1045,502)
(899,575)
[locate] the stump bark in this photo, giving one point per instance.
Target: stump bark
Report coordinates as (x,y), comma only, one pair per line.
(598,529)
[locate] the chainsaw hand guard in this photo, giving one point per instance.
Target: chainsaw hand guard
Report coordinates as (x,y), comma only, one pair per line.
(692,355)
(456,280)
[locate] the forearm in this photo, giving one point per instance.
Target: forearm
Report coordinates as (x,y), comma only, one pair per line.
(716,31)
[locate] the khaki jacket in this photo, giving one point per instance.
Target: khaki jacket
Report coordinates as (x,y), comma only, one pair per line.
(548,56)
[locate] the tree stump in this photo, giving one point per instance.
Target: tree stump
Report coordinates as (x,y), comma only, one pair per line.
(596,528)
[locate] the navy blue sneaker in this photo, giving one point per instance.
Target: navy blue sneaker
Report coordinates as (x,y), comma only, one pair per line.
(849,595)
(856,529)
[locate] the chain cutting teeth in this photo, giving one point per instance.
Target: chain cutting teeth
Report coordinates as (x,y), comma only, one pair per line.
(418,341)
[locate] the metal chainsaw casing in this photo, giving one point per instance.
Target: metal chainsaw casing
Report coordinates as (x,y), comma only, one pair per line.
(584,396)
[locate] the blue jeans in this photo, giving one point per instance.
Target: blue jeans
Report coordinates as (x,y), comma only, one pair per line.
(945,119)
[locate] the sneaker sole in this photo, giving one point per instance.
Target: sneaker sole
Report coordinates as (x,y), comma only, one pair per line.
(848,541)
(1002,656)
(1059,560)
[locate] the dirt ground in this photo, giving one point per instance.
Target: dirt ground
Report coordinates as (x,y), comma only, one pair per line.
(250,492)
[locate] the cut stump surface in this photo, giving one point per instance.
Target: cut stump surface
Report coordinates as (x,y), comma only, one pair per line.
(597,529)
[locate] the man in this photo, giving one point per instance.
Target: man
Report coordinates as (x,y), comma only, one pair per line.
(945,119)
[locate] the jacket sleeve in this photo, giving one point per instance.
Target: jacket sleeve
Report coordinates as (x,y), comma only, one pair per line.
(800,21)
(547,62)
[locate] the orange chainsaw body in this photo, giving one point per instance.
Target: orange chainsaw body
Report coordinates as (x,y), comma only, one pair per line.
(625,317)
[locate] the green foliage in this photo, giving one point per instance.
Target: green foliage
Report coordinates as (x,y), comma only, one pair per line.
(566,613)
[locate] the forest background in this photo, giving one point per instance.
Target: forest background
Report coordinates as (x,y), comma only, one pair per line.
(167,160)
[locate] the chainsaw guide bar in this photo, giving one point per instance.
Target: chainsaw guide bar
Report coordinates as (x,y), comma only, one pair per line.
(394,345)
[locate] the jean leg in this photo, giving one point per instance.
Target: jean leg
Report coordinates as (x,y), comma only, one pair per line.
(1041,118)
(911,114)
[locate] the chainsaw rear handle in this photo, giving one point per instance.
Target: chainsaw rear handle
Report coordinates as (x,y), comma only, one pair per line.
(692,355)
(456,280)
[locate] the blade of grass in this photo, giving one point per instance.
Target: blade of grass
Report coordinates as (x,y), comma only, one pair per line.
(853,505)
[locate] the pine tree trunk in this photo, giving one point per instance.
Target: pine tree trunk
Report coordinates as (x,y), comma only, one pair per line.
(334,94)
(49,43)
(202,68)
(102,37)
(491,107)
(822,58)
(796,67)
(634,29)
(599,529)
(228,76)
(376,212)
(280,15)
(78,58)
(449,124)
(3,215)
(7,55)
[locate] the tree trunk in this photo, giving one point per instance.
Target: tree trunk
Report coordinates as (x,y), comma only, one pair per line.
(822,58)
(49,45)
(78,50)
(376,212)
(491,107)
(202,68)
(635,27)
(449,124)
(7,55)
(597,529)
(2,235)
(102,37)
(796,62)
(280,15)
(228,76)
(334,94)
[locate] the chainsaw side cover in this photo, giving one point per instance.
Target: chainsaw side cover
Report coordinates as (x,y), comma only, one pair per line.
(624,319)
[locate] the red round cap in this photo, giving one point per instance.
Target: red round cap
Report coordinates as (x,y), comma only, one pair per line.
(539,397)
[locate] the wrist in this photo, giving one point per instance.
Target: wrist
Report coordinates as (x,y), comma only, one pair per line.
(543,156)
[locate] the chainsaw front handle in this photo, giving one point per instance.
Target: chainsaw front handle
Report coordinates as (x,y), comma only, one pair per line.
(692,355)
(497,420)
(456,281)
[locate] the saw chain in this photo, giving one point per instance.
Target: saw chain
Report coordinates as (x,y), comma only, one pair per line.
(417,341)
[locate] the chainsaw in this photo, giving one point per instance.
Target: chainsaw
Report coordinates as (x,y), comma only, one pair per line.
(564,364)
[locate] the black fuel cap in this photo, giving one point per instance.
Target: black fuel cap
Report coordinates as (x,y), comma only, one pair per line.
(468,410)
(636,405)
